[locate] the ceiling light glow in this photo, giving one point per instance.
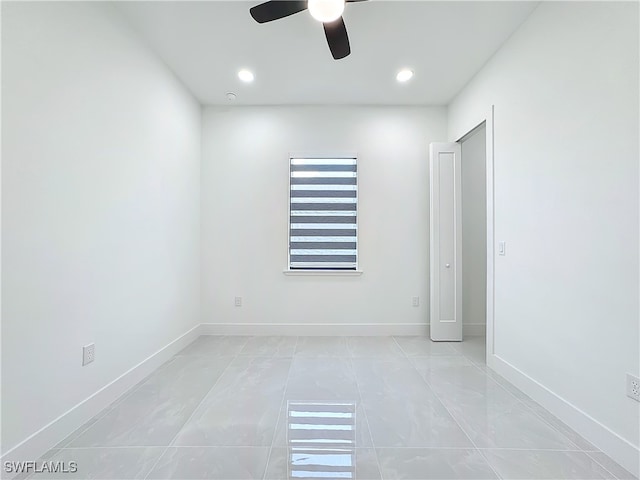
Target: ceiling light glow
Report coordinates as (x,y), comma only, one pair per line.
(404,75)
(326,11)
(245,75)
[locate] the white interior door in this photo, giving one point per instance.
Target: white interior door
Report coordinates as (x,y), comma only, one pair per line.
(445,242)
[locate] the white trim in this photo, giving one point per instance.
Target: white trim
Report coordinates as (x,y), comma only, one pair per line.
(315,329)
(34,446)
(347,154)
(491,232)
(324,273)
(488,120)
(619,449)
(328,329)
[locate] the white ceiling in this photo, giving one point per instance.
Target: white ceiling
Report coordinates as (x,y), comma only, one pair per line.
(206,42)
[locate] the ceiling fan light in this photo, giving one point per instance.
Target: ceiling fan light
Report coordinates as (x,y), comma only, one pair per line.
(326,11)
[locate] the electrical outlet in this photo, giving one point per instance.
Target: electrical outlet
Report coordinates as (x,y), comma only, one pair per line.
(88,354)
(633,387)
(415,301)
(238,301)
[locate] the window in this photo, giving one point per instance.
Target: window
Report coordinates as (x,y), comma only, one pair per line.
(323,207)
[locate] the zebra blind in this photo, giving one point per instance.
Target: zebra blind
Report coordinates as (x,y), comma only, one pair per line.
(323,227)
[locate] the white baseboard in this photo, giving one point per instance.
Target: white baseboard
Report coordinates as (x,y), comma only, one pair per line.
(34,446)
(315,329)
(474,329)
(327,329)
(619,449)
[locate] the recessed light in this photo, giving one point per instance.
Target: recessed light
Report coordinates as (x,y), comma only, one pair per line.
(404,75)
(245,75)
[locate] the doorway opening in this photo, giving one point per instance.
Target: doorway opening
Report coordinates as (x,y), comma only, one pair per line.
(473,147)
(462,238)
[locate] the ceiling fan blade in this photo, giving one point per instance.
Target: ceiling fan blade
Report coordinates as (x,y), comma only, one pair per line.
(276,9)
(337,38)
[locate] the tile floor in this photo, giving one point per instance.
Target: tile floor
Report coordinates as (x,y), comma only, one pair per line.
(328,407)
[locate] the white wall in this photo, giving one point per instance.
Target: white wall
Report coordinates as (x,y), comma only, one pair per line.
(565,90)
(100,207)
(474,229)
(245,205)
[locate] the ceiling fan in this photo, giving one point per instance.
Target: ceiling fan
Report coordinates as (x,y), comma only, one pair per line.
(329,12)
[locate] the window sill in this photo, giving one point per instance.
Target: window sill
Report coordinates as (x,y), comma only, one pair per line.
(324,273)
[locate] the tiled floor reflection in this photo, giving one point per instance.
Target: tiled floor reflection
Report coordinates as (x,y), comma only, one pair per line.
(367,408)
(321,425)
(321,440)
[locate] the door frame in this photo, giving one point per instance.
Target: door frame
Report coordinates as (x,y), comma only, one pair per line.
(487,118)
